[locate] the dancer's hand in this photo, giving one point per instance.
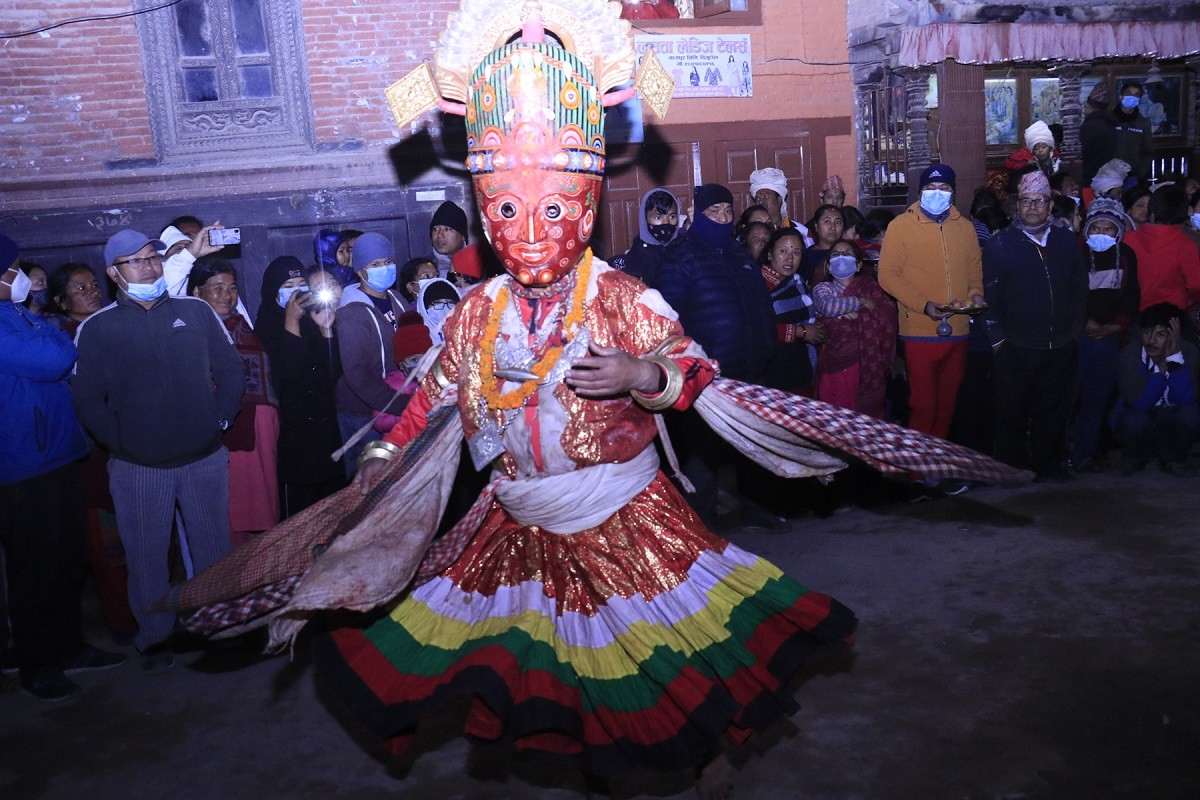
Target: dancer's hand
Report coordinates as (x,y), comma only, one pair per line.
(368,475)
(610,371)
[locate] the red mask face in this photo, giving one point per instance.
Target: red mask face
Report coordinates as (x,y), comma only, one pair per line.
(539,222)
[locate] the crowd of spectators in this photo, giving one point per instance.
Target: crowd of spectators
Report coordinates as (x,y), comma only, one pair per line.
(1053,326)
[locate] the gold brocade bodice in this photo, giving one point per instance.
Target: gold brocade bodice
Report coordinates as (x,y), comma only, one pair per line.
(595,431)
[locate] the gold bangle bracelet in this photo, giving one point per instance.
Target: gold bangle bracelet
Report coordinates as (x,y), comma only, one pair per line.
(379,449)
(669,395)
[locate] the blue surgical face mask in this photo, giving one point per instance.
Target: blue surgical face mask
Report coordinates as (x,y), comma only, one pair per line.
(1129,102)
(1099,242)
(1196,221)
(286,292)
(381,278)
(935,201)
(146,291)
(842,267)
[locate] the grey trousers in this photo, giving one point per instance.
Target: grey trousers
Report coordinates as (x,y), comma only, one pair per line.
(145,500)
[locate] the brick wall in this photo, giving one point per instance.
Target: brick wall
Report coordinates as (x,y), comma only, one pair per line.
(74,97)
(355,50)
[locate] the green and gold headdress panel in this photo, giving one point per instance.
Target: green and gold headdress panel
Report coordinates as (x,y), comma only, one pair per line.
(533,104)
(506,90)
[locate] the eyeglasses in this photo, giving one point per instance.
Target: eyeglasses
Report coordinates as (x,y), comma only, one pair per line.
(137,262)
(1033,202)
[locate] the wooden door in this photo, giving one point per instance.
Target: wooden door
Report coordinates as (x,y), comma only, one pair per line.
(678,157)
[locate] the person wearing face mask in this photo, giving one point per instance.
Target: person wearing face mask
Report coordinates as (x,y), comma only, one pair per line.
(658,225)
(1037,285)
(366,323)
(714,285)
(435,303)
(1135,140)
(861,345)
(38,301)
(157,384)
(1112,305)
(41,496)
(300,339)
(930,263)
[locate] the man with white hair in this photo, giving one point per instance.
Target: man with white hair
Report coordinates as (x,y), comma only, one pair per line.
(768,188)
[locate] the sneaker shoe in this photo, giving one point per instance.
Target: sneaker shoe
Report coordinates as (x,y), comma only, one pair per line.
(51,686)
(954,488)
(158,663)
(93,659)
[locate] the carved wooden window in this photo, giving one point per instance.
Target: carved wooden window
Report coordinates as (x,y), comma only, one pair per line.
(226,76)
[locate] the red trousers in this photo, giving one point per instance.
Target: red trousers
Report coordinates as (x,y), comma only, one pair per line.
(935,371)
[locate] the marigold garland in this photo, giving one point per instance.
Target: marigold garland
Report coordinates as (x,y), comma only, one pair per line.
(506,401)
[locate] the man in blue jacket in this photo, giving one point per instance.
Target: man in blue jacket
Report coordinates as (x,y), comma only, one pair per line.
(41,496)
(158,381)
(718,291)
(1036,285)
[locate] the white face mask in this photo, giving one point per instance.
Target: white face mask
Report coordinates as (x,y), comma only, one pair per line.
(20,287)
(935,201)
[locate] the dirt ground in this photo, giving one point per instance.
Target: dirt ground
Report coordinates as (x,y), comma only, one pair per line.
(1040,642)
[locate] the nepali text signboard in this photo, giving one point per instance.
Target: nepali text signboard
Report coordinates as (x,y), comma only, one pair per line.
(707,65)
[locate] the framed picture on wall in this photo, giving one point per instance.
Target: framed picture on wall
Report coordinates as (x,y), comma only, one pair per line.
(1045,100)
(1000,110)
(1162,102)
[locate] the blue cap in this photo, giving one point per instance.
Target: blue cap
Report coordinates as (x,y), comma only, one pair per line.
(937,173)
(126,243)
(369,247)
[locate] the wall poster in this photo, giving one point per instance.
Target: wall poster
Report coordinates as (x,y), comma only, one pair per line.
(708,65)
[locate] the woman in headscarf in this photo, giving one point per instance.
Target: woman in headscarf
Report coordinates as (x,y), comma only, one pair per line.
(253,490)
(299,337)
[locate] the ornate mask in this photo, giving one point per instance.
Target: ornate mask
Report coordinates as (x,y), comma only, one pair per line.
(535,117)
(536,149)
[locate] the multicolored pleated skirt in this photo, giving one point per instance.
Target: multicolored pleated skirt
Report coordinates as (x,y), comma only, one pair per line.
(634,645)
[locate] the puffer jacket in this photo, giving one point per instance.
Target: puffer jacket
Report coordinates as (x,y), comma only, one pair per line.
(924,260)
(40,432)
(722,303)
